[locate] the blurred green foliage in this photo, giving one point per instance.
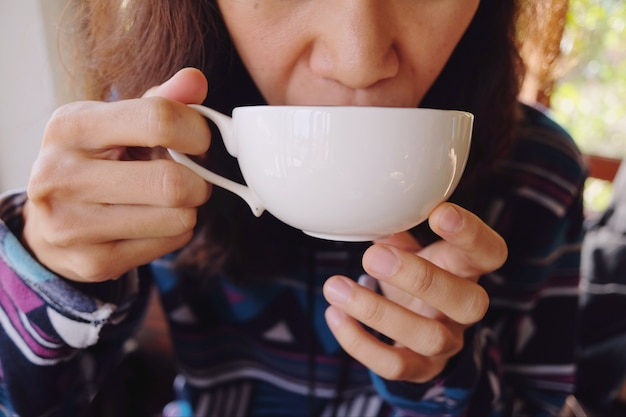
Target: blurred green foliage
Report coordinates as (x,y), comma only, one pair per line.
(589,98)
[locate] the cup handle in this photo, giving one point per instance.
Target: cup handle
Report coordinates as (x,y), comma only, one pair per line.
(224,124)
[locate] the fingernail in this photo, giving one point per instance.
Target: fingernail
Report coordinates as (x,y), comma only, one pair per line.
(334,316)
(338,291)
(382,261)
(450,220)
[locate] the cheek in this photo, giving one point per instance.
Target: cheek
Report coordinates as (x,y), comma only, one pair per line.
(271,75)
(269,39)
(441,36)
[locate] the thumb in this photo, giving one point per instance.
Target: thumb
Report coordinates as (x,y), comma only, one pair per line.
(188,86)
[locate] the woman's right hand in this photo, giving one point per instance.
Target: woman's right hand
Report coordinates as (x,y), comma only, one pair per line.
(103,196)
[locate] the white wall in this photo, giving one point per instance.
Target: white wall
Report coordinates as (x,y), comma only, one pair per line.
(27,83)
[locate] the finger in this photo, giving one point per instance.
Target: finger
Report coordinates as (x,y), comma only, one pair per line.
(460,299)
(76,226)
(422,335)
(473,247)
(151,122)
(389,362)
(189,86)
(162,183)
(98,263)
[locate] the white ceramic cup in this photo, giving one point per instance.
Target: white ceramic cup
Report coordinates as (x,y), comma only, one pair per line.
(342,173)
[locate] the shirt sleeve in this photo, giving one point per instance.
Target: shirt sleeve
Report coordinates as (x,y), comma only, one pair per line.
(57,338)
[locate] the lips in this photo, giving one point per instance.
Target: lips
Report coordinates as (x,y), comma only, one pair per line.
(315,91)
(372,97)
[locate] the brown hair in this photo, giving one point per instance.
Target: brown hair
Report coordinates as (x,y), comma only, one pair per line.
(123,51)
(122,48)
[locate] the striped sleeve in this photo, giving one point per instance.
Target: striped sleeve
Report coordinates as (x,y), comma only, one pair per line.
(49,329)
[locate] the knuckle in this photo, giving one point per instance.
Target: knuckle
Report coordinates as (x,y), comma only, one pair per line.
(423,281)
(396,369)
(62,233)
(54,176)
(373,313)
(352,345)
(477,306)
(161,120)
(39,187)
(173,184)
(91,269)
(96,263)
(68,122)
(436,339)
(180,241)
(58,238)
(42,182)
(187,219)
(455,345)
(63,121)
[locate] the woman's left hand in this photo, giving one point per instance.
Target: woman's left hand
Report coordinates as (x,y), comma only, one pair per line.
(430,296)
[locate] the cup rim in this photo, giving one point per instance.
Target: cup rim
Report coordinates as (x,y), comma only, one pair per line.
(388,109)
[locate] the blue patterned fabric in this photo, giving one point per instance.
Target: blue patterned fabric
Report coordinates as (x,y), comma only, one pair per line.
(264,349)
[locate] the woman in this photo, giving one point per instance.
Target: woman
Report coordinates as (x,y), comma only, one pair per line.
(257,333)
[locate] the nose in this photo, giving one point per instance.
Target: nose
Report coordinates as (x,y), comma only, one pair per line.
(354,43)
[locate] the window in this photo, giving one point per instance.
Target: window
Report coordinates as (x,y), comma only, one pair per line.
(576,62)
(589,95)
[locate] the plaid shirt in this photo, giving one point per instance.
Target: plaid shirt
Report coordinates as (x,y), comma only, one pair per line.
(264,348)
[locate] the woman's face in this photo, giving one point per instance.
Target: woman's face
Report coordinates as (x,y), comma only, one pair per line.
(346,52)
